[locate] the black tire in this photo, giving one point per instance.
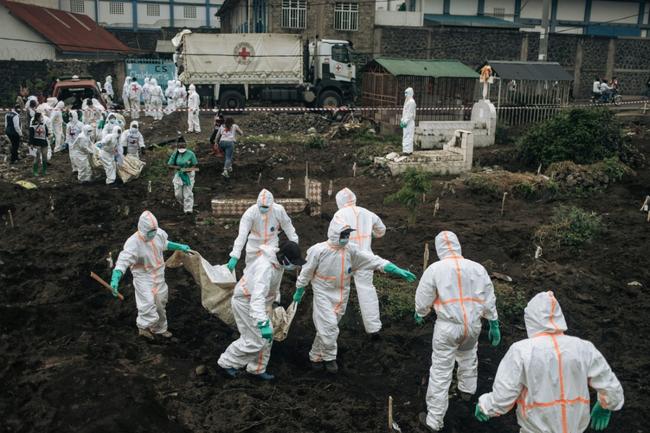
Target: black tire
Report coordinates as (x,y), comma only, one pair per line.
(231,100)
(330,99)
(617,99)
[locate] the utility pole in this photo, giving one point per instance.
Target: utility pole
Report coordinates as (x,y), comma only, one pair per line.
(543,36)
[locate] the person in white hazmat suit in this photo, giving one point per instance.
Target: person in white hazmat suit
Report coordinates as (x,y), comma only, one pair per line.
(407,122)
(251,302)
(548,376)
(109,152)
(146,96)
(108,87)
(329,269)
(57,125)
(461,293)
(260,225)
(81,149)
(125,94)
(180,93)
(367,226)
(135,93)
(193,103)
(73,128)
(143,254)
(132,140)
(169,95)
(156,99)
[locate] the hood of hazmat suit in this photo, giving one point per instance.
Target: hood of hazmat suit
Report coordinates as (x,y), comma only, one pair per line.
(257,228)
(548,375)
(345,197)
(109,79)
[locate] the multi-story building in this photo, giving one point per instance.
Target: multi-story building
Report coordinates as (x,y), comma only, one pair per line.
(352,20)
(592,17)
(140,14)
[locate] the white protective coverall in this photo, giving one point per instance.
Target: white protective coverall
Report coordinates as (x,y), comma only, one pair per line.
(110,151)
(329,268)
(548,375)
(125,93)
(156,99)
(108,86)
(193,102)
(145,259)
(146,96)
(461,293)
(169,95)
(80,152)
(132,139)
(257,229)
(135,92)
(251,302)
(408,118)
(180,93)
(73,128)
(57,125)
(367,226)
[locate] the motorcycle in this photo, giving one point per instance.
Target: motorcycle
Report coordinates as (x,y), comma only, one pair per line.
(613,97)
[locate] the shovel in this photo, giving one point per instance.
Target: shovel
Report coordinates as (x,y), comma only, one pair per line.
(107,286)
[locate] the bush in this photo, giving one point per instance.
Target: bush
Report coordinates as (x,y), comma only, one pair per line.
(316,142)
(521,185)
(570,227)
(415,184)
(511,302)
(396,297)
(583,136)
(586,179)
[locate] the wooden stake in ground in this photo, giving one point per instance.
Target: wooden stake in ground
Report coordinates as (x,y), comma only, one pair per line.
(539,169)
(436,206)
(289,185)
(424,198)
(390,413)
(11,218)
(503,202)
(149,187)
(426,257)
(644,206)
(329,190)
(648,219)
(259,178)
(51,203)
(538,252)
(354,170)
(107,286)
(109,260)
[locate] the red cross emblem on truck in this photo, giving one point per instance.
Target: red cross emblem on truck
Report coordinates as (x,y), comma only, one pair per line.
(244,53)
(338,67)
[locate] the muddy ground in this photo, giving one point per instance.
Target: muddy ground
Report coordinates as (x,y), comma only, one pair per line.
(71,361)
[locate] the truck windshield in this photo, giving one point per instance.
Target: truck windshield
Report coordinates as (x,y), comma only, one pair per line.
(340,53)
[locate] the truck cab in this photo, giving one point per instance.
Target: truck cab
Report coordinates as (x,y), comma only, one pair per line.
(332,73)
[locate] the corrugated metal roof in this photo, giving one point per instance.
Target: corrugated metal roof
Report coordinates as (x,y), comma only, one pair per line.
(468,21)
(538,71)
(69,32)
(427,68)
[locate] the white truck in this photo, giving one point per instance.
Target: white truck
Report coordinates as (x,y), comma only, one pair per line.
(230,68)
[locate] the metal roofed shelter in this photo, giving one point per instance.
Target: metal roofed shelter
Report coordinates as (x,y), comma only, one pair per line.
(544,86)
(446,84)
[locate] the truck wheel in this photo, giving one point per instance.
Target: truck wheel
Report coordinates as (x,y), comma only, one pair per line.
(329,99)
(231,100)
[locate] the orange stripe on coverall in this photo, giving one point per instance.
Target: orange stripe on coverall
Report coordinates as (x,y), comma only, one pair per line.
(460,284)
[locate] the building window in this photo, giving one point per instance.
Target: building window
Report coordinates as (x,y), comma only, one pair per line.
(77,6)
(189,12)
(294,14)
(499,12)
(116,8)
(346,16)
(153,10)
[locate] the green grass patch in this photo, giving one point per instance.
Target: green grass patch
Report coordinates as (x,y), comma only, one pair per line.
(396,297)
(571,227)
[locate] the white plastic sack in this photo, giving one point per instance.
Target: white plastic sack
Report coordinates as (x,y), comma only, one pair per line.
(281,320)
(130,168)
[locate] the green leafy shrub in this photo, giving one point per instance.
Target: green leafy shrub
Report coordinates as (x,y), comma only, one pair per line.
(396,297)
(316,142)
(570,226)
(511,301)
(415,183)
(583,136)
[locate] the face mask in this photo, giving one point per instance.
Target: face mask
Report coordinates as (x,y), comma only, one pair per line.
(182,150)
(151,234)
(289,267)
(263,209)
(343,242)
(134,130)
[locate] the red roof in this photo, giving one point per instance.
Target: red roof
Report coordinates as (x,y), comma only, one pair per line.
(66,30)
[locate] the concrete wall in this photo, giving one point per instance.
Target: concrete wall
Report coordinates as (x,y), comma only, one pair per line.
(21,42)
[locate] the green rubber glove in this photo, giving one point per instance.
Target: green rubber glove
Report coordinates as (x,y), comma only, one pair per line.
(399,272)
(173,246)
(479,415)
(600,417)
(266,331)
(402,124)
(419,320)
(297,296)
(232,263)
(495,333)
(115,281)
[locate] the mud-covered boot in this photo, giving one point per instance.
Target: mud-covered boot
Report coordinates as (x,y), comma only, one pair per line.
(317,366)
(331,367)
(145,333)
(422,418)
(263,376)
(465,396)
(166,334)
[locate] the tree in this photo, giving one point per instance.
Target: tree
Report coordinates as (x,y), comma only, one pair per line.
(415,184)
